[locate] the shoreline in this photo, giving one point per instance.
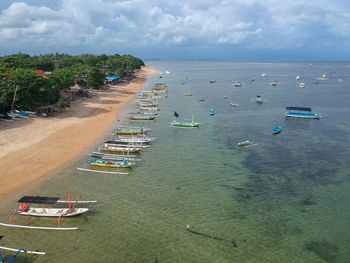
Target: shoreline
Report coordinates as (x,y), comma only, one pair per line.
(31,149)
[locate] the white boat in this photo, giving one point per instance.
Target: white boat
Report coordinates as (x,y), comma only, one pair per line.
(274,83)
(237,84)
(52,212)
(114,157)
(146,93)
(26,209)
(147,108)
(297,77)
(258,99)
(167,72)
(161,93)
(263,75)
(302,85)
(340,81)
(324,77)
(113,147)
(146,104)
(134,139)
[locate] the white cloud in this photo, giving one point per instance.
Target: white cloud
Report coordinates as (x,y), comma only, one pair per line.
(100,24)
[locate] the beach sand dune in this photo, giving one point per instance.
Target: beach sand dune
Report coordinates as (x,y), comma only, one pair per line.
(32,148)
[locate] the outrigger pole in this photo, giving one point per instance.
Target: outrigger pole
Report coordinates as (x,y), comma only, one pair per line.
(22,251)
(39,227)
(104,172)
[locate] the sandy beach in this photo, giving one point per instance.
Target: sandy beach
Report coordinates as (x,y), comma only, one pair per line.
(30,149)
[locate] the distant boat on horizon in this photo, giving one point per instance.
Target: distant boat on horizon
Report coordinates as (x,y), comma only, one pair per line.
(324,77)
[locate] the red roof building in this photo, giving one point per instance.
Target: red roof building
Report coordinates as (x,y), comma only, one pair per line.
(41,73)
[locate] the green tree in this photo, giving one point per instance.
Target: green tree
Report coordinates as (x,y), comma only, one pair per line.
(62,78)
(7,91)
(33,90)
(44,63)
(95,78)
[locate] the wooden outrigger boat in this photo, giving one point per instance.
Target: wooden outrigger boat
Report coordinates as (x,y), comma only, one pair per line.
(115,157)
(151,109)
(113,146)
(105,160)
(122,149)
(111,164)
(297,112)
(246,144)
(145,112)
(144,117)
(130,130)
(101,161)
(146,103)
(133,139)
(159,86)
(46,211)
(258,99)
(177,124)
(147,93)
(161,93)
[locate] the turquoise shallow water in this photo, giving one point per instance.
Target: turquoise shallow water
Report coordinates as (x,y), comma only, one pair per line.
(284,200)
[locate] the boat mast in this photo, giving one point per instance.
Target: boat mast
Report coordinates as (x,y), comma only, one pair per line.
(14,96)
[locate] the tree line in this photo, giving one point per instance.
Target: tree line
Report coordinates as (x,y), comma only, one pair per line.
(33,90)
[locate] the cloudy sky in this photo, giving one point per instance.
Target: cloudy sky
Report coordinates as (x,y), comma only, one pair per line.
(182,29)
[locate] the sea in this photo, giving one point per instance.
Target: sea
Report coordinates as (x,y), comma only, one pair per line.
(195,195)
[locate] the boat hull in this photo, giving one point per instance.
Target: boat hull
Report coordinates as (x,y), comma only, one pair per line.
(143,118)
(302,115)
(277,130)
(128,132)
(53,212)
(184,124)
(245,143)
(112,164)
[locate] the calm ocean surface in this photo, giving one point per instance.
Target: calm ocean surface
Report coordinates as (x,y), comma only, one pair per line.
(284,200)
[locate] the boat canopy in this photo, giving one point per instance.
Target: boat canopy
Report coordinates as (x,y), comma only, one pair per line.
(298,108)
(39,200)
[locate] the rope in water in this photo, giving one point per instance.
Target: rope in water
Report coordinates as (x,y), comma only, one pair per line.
(234,243)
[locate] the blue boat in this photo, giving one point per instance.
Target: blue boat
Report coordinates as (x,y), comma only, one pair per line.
(299,112)
(277,129)
(211,112)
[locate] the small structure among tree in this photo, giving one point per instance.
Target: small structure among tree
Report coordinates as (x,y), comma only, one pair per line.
(46,111)
(112,80)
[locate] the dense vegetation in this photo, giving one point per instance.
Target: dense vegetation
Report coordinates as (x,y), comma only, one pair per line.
(34,90)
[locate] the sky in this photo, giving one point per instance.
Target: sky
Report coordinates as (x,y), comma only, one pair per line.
(183,29)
